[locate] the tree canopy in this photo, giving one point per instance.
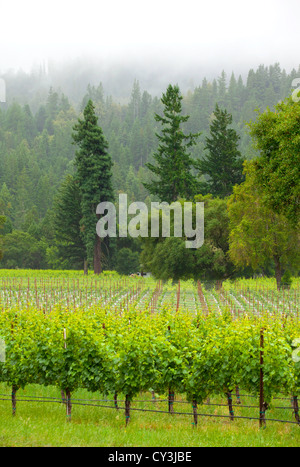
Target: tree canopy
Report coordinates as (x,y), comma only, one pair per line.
(277,137)
(257,234)
(37,154)
(168,258)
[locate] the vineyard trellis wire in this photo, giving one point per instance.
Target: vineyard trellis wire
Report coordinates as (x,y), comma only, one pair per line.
(95,403)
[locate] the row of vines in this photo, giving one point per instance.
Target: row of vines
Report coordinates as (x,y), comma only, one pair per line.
(163,348)
(126,335)
(45,290)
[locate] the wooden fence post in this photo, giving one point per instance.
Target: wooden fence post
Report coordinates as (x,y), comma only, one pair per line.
(262,422)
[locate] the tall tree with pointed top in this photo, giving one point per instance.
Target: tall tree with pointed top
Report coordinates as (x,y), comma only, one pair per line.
(223,165)
(173,163)
(93,174)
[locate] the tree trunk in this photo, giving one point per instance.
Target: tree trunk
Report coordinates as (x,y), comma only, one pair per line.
(278,272)
(116,400)
(195,413)
(127,409)
(97,256)
(230,407)
(296,408)
(13,398)
(171,401)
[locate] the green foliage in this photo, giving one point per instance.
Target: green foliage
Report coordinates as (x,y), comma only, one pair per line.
(67,217)
(22,250)
(127,354)
(173,163)
(127,261)
(36,151)
(223,165)
(258,234)
(168,258)
(93,175)
(276,134)
(287,279)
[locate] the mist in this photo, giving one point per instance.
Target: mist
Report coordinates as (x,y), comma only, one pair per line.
(154,42)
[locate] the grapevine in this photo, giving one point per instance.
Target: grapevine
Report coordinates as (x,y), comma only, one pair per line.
(132,348)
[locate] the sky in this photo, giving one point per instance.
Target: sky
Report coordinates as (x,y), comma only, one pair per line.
(230,35)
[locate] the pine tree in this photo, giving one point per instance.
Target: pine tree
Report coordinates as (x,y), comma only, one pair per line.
(93,174)
(174,178)
(5,201)
(222,88)
(67,216)
(134,105)
(223,166)
(51,110)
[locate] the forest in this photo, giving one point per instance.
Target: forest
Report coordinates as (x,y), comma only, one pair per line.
(38,154)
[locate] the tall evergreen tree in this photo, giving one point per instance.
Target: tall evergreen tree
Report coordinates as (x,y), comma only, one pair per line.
(93,174)
(223,165)
(174,178)
(67,217)
(222,88)
(51,109)
(134,105)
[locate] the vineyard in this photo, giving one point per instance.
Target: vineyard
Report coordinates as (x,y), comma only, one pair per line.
(124,339)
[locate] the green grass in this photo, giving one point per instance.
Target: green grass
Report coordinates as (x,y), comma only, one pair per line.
(44,424)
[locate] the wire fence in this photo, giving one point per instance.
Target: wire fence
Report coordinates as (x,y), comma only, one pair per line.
(117,405)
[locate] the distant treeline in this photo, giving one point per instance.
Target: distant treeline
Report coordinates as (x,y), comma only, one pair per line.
(36,150)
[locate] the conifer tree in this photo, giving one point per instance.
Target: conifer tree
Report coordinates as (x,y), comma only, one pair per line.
(173,163)
(67,217)
(93,174)
(223,165)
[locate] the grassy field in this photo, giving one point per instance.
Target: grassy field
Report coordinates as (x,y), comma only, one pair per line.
(44,424)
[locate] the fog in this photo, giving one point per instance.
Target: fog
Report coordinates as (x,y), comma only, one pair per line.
(164,40)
